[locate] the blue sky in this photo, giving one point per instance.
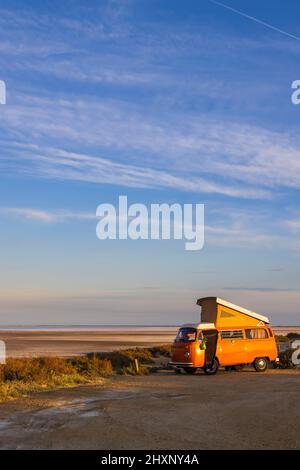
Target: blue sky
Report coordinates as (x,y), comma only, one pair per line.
(162,101)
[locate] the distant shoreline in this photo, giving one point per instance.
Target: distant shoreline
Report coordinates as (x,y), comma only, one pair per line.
(68,341)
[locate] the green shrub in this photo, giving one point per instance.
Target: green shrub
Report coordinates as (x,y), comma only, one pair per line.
(281,338)
(131,370)
(164,350)
(92,366)
(34,369)
(292,336)
(24,375)
(125,358)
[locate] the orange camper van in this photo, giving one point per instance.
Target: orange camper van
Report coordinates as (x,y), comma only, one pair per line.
(227,335)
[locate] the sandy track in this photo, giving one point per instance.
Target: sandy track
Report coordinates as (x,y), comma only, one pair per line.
(230,410)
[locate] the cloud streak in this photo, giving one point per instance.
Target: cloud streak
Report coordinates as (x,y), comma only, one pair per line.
(44,216)
(128,148)
(256,20)
(260,289)
(60,164)
(232,231)
(150,142)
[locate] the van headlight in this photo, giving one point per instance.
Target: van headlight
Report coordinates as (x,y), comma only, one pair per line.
(186,355)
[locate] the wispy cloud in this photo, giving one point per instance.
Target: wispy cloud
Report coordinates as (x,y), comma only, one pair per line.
(60,164)
(153,141)
(249,228)
(231,231)
(45,216)
(293,224)
(187,152)
(259,289)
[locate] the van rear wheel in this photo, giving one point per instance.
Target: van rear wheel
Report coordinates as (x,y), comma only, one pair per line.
(260,364)
(213,369)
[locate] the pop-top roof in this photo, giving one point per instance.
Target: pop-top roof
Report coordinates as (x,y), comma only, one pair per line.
(235,307)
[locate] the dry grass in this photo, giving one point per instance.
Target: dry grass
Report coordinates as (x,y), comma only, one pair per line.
(92,366)
(164,350)
(123,361)
(18,377)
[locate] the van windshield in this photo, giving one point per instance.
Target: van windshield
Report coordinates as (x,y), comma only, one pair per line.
(186,335)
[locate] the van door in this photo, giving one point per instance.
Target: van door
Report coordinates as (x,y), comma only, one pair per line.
(231,347)
(211,340)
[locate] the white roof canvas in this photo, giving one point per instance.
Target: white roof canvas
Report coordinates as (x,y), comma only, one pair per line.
(242,310)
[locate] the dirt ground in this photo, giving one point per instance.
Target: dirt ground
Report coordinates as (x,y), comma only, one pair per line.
(231,410)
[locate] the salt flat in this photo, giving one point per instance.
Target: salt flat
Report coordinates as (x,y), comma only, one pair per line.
(67,342)
(70,342)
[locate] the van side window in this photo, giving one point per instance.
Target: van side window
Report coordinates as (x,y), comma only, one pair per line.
(232,334)
(270,332)
(256,333)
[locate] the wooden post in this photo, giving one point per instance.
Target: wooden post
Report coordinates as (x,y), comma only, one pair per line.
(137,366)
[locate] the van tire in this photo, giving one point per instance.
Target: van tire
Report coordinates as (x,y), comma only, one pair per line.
(190,370)
(212,370)
(260,364)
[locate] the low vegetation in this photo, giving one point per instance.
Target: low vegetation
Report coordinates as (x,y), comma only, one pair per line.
(287,338)
(18,377)
(123,359)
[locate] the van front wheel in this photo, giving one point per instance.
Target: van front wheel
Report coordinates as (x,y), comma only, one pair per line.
(260,364)
(213,369)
